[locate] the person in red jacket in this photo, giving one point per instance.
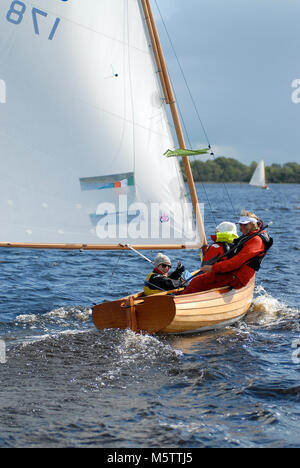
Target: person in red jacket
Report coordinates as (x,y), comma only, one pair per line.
(237,271)
(223,238)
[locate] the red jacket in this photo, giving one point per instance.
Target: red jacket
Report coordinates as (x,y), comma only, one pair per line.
(238,263)
(213,250)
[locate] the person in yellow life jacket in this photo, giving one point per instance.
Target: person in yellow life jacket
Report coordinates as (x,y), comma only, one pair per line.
(159,279)
(223,238)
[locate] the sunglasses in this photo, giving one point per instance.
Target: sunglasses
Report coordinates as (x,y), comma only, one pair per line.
(164,265)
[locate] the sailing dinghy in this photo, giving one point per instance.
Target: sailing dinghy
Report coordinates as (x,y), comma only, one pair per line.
(167,312)
(258,178)
(84,129)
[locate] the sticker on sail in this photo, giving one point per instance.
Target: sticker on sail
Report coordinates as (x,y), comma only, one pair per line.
(164,218)
(114,181)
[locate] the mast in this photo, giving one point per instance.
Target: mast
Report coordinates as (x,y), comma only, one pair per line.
(170,99)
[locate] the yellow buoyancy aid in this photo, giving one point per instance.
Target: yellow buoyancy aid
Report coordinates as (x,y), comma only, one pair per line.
(148,288)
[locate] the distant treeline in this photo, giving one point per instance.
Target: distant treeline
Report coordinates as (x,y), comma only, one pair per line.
(231,170)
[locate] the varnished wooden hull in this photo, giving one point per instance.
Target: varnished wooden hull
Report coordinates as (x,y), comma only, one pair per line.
(210,309)
(175,314)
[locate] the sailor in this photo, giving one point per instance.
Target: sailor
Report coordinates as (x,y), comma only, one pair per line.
(241,263)
(159,279)
(223,238)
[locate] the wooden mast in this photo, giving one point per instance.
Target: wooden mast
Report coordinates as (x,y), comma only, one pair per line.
(170,99)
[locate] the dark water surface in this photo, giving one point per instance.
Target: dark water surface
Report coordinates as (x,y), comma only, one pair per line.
(65,384)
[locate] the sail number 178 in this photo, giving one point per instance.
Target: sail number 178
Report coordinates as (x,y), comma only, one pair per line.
(17,11)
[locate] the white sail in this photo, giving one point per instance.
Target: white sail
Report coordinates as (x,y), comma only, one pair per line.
(83,129)
(258,178)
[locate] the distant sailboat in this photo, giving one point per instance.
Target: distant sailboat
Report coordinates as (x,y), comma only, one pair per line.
(258,178)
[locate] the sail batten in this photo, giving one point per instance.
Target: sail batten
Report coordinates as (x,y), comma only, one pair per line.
(84,129)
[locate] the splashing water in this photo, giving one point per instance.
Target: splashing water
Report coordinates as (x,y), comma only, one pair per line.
(28,328)
(267,311)
(81,314)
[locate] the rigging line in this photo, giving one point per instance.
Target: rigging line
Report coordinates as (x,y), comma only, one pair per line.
(114,269)
(183,75)
(194,158)
(190,145)
(182,118)
(228,195)
(194,104)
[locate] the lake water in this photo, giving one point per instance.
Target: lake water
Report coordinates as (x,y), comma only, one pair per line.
(66,384)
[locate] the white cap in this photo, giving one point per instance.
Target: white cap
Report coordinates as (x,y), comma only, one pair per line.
(247,220)
(227,227)
(161,258)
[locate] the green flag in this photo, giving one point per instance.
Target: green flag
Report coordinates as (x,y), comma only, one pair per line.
(185,152)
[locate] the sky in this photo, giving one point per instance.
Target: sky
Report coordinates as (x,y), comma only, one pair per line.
(241,60)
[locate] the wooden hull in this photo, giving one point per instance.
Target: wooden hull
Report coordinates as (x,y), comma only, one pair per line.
(176,314)
(210,309)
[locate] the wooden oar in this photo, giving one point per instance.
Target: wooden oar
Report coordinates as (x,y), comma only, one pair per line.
(141,314)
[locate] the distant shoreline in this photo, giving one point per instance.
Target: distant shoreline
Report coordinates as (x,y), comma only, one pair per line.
(229,170)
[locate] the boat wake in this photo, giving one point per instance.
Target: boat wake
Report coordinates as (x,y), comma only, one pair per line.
(267,311)
(133,354)
(126,349)
(28,328)
(61,316)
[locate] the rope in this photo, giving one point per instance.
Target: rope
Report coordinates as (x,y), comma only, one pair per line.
(197,114)
(183,75)
(114,269)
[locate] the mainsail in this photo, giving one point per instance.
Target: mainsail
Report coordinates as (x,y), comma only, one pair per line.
(84,129)
(258,178)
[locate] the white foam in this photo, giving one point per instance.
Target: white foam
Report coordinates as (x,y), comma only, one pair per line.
(63,313)
(265,309)
(49,336)
(81,315)
(26,318)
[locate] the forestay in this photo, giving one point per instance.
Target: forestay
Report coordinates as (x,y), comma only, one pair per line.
(84,128)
